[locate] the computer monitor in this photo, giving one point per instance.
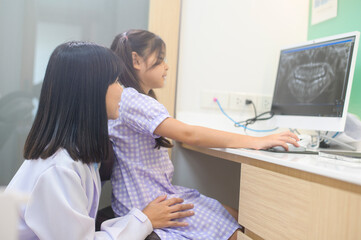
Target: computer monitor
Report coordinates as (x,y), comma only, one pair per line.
(313,83)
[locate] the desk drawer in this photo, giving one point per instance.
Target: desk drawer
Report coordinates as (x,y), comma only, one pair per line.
(277,205)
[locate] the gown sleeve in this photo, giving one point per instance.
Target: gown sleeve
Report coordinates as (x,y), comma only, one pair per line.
(142,113)
(59,209)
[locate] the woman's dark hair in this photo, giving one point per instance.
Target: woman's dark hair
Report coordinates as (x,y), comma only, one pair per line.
(144,43)
(72,110)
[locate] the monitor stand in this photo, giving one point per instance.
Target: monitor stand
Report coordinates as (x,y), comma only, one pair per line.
(339,145)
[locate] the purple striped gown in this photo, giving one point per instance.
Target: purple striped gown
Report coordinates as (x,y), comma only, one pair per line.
(142,173)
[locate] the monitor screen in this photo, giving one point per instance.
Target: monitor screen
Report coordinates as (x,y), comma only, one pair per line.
(313,83)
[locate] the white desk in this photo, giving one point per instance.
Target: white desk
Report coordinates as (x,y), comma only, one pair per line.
(295,196)
(335,169)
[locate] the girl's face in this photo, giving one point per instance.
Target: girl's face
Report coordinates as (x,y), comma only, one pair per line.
(112,99)
(151,76)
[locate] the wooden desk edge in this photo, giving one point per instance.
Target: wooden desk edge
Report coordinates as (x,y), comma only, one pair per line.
(276,168)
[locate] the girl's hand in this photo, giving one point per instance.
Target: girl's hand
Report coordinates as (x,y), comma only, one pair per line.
(278,139)
(161,212)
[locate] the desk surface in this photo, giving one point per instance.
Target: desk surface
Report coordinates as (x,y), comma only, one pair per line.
(331,168)
(295,196)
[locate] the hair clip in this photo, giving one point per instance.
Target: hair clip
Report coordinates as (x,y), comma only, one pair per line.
(78,43)
(125,36)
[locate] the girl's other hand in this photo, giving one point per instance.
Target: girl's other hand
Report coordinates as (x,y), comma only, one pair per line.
(162,212)
(278,139)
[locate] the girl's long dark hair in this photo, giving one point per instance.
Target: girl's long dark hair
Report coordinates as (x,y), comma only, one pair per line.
(144,43)
(72,110)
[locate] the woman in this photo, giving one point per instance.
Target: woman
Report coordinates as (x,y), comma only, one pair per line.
(65,147)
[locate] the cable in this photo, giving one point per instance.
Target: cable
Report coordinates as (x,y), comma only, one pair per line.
(294,130)
(256,117)
(238,124)
(250,120)
(254,106)
(325,141)
(335,134)
(345,145)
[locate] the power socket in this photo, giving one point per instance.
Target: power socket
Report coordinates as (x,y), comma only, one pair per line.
(265,103)
(208,96)
(237,101)
(254,99)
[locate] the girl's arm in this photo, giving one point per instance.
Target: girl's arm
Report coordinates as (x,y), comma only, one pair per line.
(207,137)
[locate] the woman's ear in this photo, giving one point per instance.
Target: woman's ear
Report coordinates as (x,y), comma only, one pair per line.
(136,60)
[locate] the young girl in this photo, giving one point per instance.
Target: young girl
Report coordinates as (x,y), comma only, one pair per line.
(143,169)
(65,147)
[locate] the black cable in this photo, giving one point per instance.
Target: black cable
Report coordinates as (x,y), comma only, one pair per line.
(256,117)
(254,106)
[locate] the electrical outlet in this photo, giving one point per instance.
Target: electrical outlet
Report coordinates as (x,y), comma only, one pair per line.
(237,101)
(208,96)
(265,103)
(254,99)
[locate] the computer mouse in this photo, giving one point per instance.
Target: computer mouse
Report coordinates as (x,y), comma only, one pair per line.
(291,148)
(304,142)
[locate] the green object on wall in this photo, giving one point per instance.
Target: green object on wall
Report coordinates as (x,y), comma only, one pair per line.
(348,19)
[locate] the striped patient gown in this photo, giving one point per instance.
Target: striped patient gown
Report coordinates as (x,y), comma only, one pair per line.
(142,173)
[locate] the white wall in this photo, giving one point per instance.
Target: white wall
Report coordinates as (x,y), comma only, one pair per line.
(230,46)
(233,45)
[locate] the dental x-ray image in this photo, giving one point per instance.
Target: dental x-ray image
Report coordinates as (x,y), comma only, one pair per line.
(313,80)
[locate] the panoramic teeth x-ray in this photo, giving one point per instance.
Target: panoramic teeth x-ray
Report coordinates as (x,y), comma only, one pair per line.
(308,81)
(315,72)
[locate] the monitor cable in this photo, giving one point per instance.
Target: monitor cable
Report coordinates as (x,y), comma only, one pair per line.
(238,124)
(326,141)
(255,118)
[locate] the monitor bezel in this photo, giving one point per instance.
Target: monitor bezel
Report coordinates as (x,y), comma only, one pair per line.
(317,122)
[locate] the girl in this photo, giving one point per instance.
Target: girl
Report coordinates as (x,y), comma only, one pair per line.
(67,142)
(143,169)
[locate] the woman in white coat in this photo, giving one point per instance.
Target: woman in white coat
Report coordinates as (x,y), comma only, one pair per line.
(65,147)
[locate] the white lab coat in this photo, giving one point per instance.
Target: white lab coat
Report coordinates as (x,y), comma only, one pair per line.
(64,196)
